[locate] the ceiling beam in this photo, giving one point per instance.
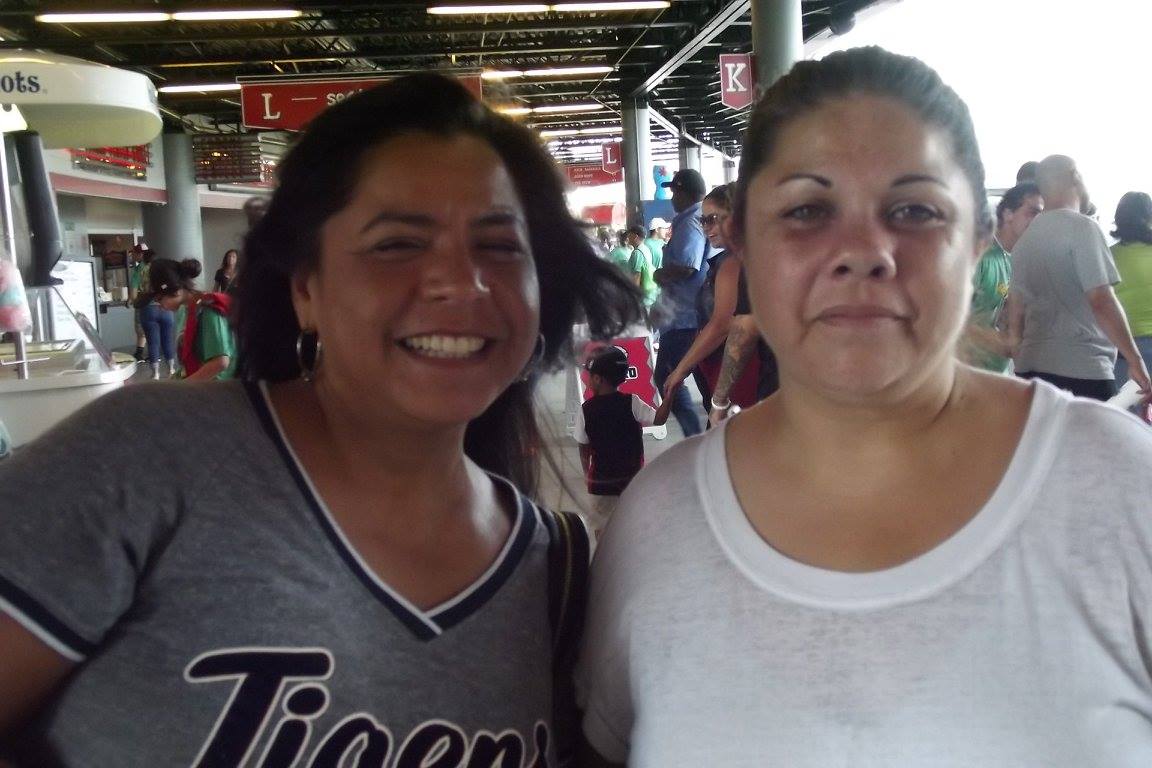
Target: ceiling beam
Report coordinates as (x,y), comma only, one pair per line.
(732,11)
(83,43)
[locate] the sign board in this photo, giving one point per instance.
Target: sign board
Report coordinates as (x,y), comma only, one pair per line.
(289,105)
(737,80)
(76,295)
(589,175)
(641,364)
(610,157)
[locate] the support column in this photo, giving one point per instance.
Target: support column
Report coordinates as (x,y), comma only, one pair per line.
(690,154)
(777,38)
(637,158)
(174,230)
(729,171)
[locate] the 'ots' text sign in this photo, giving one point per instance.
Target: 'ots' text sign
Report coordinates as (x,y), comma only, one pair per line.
(737,80)
(291,104)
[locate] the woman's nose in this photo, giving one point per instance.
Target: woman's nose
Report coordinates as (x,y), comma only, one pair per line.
(865,251)
(452,274)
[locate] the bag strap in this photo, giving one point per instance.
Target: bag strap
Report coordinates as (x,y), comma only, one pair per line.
(569,553)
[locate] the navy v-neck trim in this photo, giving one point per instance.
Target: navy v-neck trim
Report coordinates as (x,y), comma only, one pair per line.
(424,624)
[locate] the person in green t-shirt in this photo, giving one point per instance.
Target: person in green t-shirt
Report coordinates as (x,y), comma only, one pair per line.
(1133,255)
(656,241)
(621,254)
(640,265)
(984,345)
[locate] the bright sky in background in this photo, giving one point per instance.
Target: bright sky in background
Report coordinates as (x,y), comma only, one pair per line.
(1039,76)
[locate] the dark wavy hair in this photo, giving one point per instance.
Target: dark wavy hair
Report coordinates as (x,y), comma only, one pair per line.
(1134,218)
(721,196)
(167,277)
(1014,198)
(873,71)
(317,179)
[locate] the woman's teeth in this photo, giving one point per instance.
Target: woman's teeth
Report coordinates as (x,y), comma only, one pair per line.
(444,346)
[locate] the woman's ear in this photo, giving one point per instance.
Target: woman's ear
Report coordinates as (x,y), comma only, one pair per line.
(304,290)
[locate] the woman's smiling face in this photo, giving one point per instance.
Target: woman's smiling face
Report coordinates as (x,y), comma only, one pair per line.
(859,241)
(426,297)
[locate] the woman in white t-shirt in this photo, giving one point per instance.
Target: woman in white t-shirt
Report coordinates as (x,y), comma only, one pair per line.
(896,560)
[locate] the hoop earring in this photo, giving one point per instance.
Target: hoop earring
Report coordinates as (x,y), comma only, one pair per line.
(309,353)
(534,361)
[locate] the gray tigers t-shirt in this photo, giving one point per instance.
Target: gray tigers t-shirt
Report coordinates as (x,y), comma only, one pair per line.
(166,539)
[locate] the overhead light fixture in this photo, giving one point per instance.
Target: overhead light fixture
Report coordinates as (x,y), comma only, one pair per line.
(508,74)
(101,18)
(203,88)
(595,7)
(480,10)
(580,132)
(612,5)
(551,109)
(252,15)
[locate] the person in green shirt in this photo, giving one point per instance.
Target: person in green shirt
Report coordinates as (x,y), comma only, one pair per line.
(656,241)
(207,344)
(984,345)
(1133,255)
(621,254)
(640,265)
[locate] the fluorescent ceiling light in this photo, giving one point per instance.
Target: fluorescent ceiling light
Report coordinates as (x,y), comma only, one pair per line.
(612,5)
(101,18)
(269,13)
(204,88)
(451,10)
(508,74)
(551,109)
(558,108)
(580,132)
(605,5)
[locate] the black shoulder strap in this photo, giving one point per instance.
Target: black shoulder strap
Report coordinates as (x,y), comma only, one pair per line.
(569,552)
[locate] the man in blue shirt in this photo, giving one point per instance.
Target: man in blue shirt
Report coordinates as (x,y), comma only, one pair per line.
(680,278)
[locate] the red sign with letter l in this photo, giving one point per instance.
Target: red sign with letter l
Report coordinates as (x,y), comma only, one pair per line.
(610,157)
(737,80)
(289,105)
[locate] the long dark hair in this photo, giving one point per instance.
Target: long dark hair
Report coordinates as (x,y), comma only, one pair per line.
(870,70)
(316,180)
(167,277)
(1134,218)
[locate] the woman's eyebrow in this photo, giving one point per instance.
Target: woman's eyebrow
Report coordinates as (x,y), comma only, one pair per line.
(916,178)
(806,176)
(398,217)
(498,219)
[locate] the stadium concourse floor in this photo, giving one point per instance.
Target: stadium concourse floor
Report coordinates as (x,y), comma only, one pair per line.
(553,395)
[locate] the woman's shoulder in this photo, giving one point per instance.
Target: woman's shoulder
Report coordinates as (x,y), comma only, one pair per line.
(670,488)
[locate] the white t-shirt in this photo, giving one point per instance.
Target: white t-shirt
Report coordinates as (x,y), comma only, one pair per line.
(1022,640)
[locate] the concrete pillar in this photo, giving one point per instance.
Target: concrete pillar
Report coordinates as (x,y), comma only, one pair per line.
(174,230)
(690,154)
(777,38)
(636,157)
(729,171)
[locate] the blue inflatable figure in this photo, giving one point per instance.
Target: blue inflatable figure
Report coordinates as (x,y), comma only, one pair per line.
(661,174)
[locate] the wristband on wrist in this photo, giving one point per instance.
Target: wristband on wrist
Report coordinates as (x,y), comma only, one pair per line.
(721,406)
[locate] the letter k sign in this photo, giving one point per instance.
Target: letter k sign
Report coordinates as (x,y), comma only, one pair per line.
(733,72)
(737,80)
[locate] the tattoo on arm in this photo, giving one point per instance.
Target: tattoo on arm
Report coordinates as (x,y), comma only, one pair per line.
(737,351)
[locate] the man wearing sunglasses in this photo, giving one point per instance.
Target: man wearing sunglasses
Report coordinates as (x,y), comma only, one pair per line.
(680,278)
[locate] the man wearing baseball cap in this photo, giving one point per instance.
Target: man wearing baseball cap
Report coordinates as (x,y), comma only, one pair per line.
(680,277)
(657,237)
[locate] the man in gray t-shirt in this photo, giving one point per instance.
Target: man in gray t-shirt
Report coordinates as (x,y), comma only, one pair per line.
(1065,322)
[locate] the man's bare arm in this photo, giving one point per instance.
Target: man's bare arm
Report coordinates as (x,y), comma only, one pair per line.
(1112,320)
